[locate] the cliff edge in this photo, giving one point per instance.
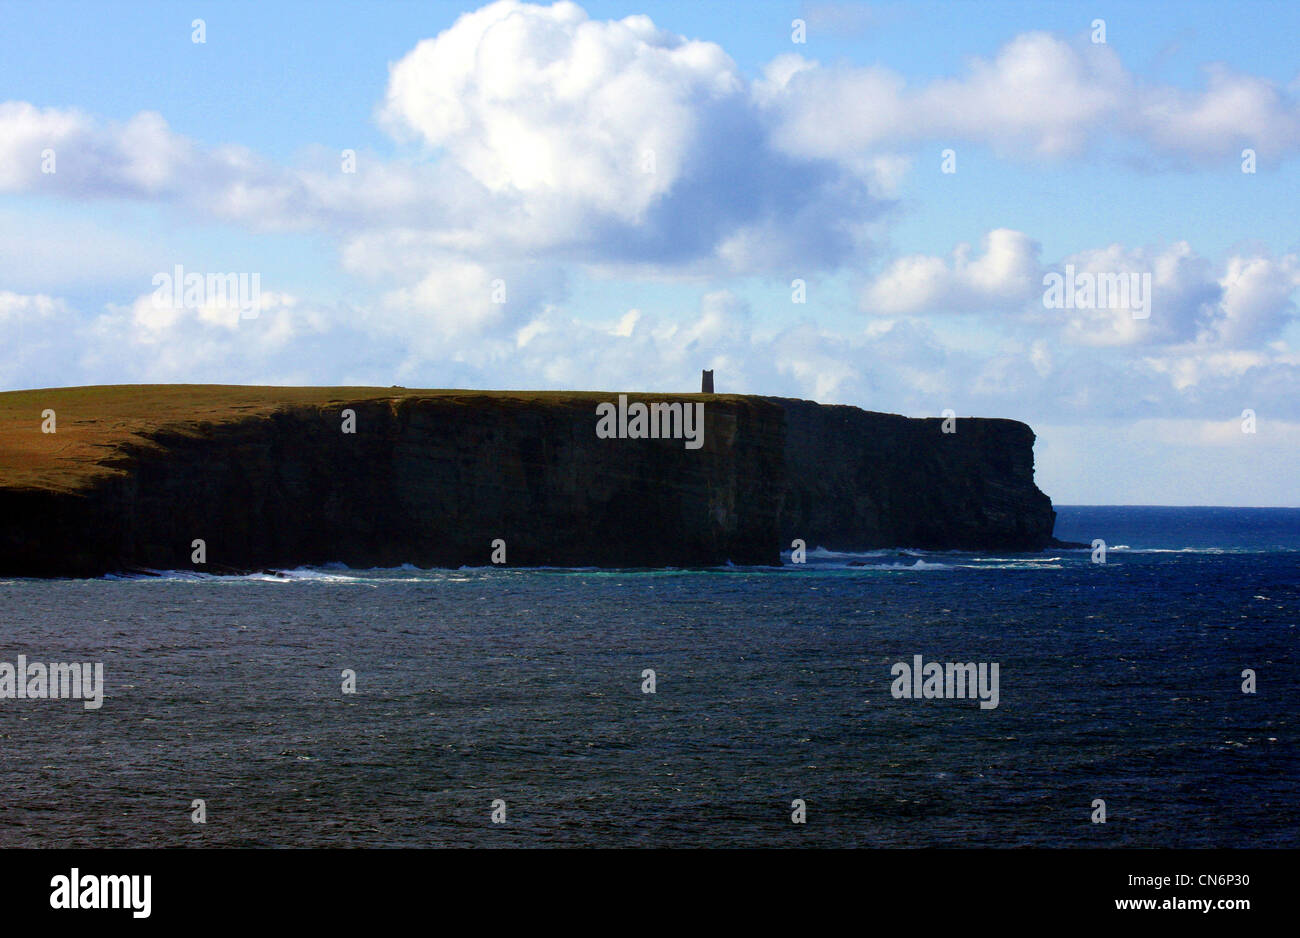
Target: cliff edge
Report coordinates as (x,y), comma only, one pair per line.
(860,480)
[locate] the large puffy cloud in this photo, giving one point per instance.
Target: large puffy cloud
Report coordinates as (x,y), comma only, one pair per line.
(1182,296)
(72,153)
(67,153)
(1256,298)
(1007,273)
(1040,96)
(1245,300)
(541,135)
(546,102)
(615,142)
(1234,111)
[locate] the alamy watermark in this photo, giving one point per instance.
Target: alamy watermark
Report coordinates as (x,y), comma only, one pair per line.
(55,681)
(656,421)
(946,680)
(1089,290)
(179,290)
(80,890)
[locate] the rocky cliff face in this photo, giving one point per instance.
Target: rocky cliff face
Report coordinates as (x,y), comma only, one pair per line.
(434,480)
(428,481)
(860,480)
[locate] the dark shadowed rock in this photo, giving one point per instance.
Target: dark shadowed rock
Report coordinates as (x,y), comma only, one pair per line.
(862,480)
(431,478)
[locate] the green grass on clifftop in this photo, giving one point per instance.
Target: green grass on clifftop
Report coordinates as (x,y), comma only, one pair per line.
(93,423)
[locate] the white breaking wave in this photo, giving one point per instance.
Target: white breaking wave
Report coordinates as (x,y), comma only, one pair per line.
(821,553)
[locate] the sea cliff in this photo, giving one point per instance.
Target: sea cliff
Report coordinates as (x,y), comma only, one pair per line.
(860,480)
(132,476)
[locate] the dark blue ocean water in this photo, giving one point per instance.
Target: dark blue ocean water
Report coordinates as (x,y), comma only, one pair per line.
(1118,681)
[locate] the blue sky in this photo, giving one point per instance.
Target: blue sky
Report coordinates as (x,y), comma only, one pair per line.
(508,149)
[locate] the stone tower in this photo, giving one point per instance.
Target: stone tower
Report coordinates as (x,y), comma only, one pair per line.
(706,383)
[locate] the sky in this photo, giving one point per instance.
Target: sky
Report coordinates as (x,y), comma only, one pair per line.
(852,203)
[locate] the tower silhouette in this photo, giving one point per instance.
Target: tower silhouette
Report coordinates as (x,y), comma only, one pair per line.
(706,383)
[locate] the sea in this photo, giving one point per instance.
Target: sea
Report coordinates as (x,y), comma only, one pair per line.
(1150,700)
